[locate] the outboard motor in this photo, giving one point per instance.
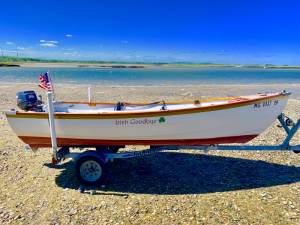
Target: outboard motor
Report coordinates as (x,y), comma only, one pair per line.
(28,101)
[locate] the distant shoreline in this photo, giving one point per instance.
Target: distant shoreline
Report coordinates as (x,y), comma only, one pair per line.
(10,61)
(132,65)
(84,65)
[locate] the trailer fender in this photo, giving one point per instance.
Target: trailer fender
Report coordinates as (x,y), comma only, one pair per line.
(92,153)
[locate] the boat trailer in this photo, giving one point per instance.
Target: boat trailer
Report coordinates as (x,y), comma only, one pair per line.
(90,164)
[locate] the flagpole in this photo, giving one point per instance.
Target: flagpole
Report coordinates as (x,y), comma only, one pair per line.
(50,79)
(52,127)
(89,94)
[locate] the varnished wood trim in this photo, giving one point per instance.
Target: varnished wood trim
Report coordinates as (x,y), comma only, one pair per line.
(38,142)
(135,114)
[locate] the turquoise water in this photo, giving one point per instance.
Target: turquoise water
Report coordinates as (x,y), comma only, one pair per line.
(153,76)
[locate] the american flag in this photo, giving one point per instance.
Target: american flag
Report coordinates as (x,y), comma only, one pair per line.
(45,82)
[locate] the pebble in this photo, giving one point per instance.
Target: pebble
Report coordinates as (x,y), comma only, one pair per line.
(91,208)
(72,212)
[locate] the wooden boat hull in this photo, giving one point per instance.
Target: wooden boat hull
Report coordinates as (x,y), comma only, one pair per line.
(46,141)
(237,122)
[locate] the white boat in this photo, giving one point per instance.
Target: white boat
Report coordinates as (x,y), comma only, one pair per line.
(205,121)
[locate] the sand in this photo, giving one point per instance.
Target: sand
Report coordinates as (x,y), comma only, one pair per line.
(183,187)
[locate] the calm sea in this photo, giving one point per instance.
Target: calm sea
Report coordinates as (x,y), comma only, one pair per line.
(153,76)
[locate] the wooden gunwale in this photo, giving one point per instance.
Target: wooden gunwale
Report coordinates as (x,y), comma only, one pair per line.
(135,114)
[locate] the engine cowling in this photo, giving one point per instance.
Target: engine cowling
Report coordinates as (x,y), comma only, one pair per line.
(28,101)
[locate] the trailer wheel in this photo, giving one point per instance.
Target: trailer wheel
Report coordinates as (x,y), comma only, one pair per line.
(90,170)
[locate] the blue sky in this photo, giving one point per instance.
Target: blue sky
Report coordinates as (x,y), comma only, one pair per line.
(153,31)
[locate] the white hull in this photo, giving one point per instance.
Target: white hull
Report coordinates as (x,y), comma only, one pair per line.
(240,123)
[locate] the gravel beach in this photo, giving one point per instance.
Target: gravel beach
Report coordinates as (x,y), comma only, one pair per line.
(183,187)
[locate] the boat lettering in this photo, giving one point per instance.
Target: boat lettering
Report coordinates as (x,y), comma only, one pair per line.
(135,121)
(265,104)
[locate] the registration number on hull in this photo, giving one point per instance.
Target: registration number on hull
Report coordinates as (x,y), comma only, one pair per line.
(265,104)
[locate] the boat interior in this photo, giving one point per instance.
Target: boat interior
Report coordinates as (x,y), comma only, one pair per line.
(28,101)
(130,107)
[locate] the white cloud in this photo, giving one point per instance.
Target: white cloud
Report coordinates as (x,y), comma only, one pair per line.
(69,35)
(9,51)
(53,42)
(9,43)
(67,49)
(22,48)
(71,53)
(48,45)
(124,42)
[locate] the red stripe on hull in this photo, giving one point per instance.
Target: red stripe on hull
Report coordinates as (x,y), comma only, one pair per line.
(38,142)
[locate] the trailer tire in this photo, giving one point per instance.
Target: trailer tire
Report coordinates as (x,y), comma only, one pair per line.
(90,170)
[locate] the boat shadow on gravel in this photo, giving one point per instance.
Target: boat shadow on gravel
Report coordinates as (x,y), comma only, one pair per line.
(183,173)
